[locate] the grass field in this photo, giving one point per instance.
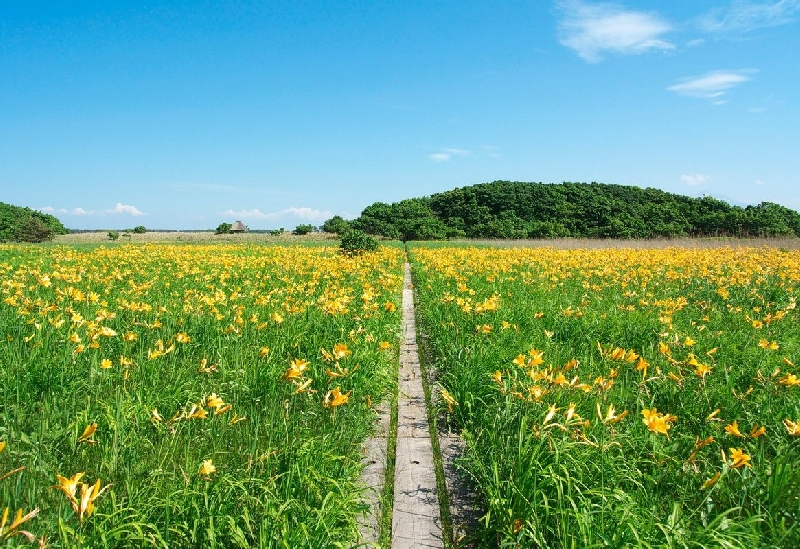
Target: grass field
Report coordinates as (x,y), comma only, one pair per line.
(203,396)
(640,394)
(621,397)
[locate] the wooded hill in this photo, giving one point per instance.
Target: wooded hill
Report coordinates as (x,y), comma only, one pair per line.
(509,209)
(25,225)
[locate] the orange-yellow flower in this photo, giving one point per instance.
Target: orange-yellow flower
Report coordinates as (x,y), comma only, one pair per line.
(448,398)
(341,351)
(296,369)
(792,427)
(656,422)
(87,434)
(207,467)
(711,482)
(733,429)
(739,458)
(790,380)
(335,397)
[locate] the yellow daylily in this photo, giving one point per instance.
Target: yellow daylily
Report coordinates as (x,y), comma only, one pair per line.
(739,458)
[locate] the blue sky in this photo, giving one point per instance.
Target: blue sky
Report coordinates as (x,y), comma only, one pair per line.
(182,115)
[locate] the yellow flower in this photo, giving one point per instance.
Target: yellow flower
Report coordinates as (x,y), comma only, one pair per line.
(702,370)
(757,431)
(335,398)
(656,422)
(711,482)
(790,380)
(182,337)
(611,415)
(106,363)
(771,345)
(733,429)
(207,468)
(341,351)
(19,520)
(792,427)
(739,458)
(385,346)
(448,398)
(296,369)
(263,351)
(214,401)
(87,434)
(69,485)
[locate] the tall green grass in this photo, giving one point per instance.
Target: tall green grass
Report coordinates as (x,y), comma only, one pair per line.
(183,324)
(536,345)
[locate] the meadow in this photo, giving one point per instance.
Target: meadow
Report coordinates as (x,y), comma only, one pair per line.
(175,396)
(620,397)
(216,392)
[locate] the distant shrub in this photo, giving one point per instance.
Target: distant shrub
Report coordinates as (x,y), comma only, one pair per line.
(224,228)
(139,229)
(303,229)
(113,235)
(356,242)
(276,232)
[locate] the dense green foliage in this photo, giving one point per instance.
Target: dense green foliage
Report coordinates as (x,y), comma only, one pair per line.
(223,228)
(356,242)
(139,229)
(505,209)
(336,224)
(302,229)
(19,224)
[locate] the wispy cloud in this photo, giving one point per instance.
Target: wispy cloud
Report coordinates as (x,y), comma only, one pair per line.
(120,208)
(593,30)
(695,179)
(305,214)
(744,16)
(711,85)
(447,154)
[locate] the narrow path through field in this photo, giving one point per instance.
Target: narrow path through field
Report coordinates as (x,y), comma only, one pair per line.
(415,518)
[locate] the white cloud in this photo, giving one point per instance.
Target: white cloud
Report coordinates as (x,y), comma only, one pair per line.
(711,85)
(595,29)
(747,16)
(116,210)
(305,214)
(694,179)
(447,154)
(125,209)
(759,182)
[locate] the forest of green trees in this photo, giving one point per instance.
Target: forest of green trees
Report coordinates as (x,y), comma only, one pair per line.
(25,225)
(506,209)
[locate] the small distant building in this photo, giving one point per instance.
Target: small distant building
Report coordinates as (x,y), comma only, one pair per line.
(238,227)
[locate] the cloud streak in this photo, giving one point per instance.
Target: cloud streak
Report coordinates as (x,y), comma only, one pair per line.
(593,30)
(446,154)
(305,214)
(119,209)
(749,16)
(711,85)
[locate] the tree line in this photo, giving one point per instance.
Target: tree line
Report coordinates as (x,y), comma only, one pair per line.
(509,209)
(19,224)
